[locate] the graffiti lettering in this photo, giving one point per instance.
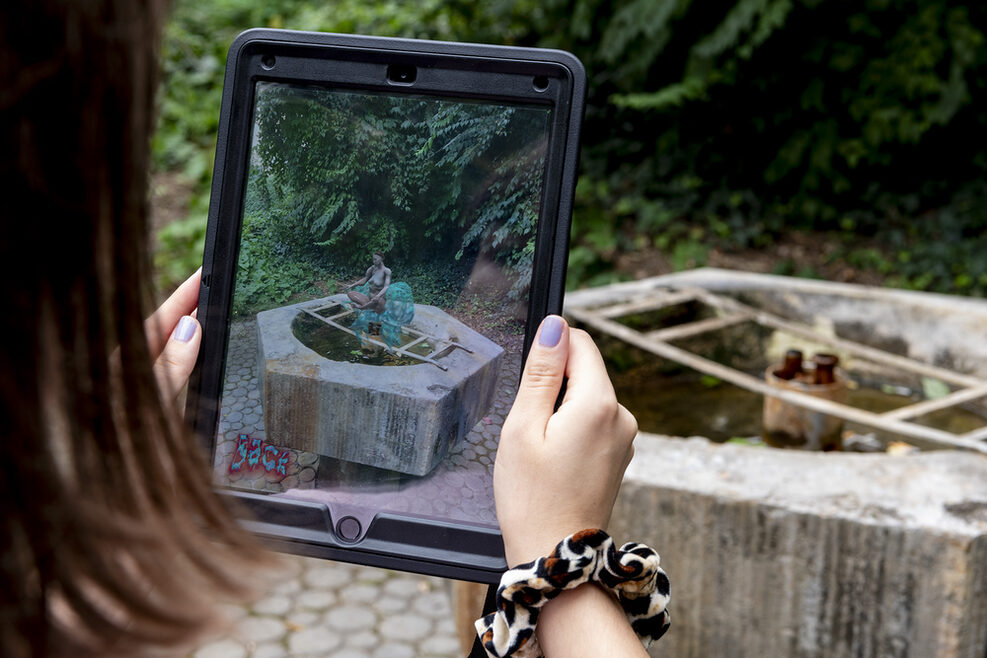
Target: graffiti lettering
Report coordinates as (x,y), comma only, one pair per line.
(252,453)
(253,457)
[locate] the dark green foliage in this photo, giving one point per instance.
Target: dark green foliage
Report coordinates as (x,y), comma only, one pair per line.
(430,183)
(792,95)
(379,173)
(941,250)
(196,40)
(265,277)
(743,118)
(437,284)
(709,124)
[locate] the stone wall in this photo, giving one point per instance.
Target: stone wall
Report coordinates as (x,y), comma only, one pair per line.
(784,553)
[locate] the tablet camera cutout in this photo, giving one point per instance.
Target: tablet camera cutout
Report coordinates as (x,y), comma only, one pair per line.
(540,83)
(401,74)
(267,62)
(348,529)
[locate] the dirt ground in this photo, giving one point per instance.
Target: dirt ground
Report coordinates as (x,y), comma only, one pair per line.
(805,251)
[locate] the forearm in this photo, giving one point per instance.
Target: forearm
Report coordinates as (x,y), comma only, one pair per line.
(587,621)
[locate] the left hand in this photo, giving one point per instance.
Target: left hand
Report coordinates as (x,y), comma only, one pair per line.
(173,337)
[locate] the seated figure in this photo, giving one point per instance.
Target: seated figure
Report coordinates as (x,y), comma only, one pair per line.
(372,290)
(378,301)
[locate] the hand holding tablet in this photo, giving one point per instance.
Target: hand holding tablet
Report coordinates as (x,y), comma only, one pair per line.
(558,471)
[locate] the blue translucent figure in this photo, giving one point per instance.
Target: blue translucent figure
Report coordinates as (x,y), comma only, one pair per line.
(399,310)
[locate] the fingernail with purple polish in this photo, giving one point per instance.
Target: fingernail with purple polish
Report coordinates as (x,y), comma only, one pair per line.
(551,331)
(185,329)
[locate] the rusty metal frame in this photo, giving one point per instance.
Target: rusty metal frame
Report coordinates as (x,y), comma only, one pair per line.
(402,350)
(731,312)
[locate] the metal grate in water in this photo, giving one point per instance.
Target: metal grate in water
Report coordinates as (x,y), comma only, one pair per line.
(403,350)
(731,312)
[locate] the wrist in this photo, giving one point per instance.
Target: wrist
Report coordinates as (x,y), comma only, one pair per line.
(529,552)
(525,547)
(587,622)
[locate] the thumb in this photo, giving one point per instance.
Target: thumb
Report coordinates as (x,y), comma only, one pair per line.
(174,365)
(543,372)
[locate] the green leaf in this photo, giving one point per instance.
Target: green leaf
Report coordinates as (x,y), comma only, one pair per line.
(751,441)
(933,389)
(674,95)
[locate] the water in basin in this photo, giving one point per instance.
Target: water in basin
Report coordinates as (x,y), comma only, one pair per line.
(338,345)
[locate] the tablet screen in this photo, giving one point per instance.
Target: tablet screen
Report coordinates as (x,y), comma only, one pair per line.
(380,299)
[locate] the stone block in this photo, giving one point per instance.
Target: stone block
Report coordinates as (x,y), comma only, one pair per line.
(787,553)
(400,418)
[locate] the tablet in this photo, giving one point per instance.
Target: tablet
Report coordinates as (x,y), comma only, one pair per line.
(388,225)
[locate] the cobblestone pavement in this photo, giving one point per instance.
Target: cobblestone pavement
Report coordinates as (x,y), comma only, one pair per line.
(328,609)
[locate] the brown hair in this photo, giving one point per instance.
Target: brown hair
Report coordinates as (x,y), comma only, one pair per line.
(109,522)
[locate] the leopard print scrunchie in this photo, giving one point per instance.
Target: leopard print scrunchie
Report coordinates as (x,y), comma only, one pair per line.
(632,573)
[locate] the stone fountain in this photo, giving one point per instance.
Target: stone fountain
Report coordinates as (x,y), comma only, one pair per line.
(400,418)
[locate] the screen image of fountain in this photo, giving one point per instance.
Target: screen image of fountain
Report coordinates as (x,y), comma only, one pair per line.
(380,300)
(398,417)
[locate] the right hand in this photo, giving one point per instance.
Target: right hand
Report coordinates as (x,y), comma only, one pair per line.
(558,472)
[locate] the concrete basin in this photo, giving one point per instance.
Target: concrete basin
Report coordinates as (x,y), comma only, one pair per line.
(399,418)
(808,554)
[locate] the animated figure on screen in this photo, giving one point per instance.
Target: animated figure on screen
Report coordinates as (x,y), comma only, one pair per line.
(379,303)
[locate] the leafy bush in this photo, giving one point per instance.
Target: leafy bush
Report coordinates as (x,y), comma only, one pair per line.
(740,119)
(430,183)
(723,123)
(194,55)
(409,174)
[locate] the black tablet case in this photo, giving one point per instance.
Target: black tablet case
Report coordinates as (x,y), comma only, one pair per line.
(435,547)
